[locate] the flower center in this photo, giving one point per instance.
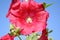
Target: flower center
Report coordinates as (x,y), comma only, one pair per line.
(29,20)
(26,0)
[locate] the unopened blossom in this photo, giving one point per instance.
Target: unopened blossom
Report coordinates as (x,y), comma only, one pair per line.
(28,15)
(44,35)
(7,37)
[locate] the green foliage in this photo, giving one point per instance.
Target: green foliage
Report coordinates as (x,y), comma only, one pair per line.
(11,27)
(33,36)
(17,30)
(46,5)
(50,38)
(50,31)
(13,31)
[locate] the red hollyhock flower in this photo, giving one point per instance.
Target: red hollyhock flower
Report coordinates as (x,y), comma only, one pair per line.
(44,35)
(29,16)
(7,37)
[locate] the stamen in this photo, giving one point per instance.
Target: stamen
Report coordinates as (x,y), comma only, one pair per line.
(26,0)
(29,20)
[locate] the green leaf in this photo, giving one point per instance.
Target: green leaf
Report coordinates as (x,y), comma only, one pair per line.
(11,27)
(50,31)
(50,38)
(44,4)
(17,30)
(33,36)
(47,5)
(47,31)
(28,37)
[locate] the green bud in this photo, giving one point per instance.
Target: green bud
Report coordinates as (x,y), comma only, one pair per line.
(11,27)
(50,38)
(11,33)
(17,30)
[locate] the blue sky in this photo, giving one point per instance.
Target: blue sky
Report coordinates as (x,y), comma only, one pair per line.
(53,21)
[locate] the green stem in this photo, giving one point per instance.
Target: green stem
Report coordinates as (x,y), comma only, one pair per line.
(19,38)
